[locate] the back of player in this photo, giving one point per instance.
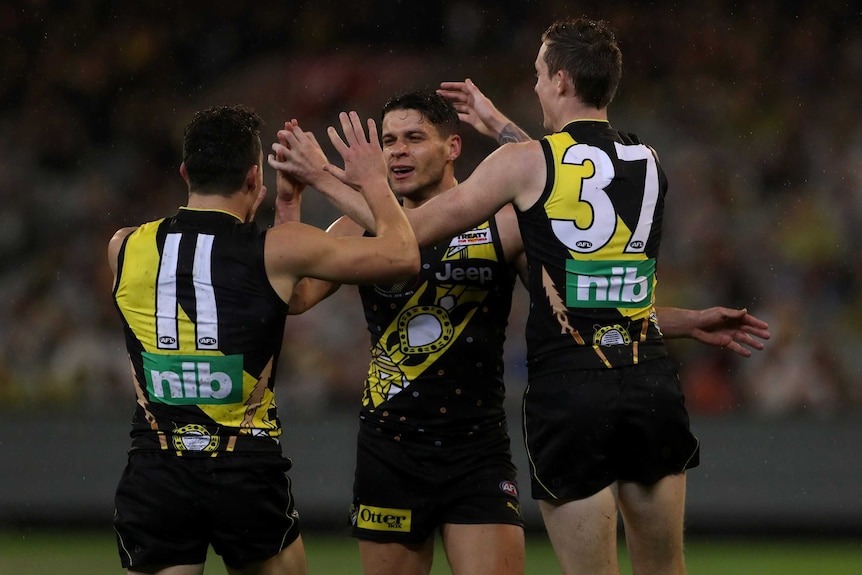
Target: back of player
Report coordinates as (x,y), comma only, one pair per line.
(204,369)
(203,335)
(598,366)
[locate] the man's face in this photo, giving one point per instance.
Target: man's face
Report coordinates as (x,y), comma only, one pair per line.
(545,86)
(415,153)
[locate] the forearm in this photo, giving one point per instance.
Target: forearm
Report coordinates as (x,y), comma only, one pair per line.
(675,322)
(380,213)
(510,132)
(347,200)
(287,210)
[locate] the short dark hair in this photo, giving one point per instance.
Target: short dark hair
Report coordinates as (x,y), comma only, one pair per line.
(588,51)
(220,144)
(433,107)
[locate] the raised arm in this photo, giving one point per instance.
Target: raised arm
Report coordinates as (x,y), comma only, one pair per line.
(294,250)
(298,156)
(723,327)
(479,111)
(288,198)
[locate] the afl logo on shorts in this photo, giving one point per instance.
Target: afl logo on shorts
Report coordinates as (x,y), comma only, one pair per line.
(509,488)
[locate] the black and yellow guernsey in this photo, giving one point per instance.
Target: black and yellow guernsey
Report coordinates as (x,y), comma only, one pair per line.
(436,371)
(592,244)
(203,331)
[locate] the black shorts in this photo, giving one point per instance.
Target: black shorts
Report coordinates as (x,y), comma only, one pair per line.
(585,429)
(404,490)
(169,509)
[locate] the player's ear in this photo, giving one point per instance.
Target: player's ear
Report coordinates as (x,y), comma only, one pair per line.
(454,147)
(184,173)
(251,178)
(564,82)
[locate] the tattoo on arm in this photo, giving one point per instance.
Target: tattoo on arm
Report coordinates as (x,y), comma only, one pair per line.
(512,133)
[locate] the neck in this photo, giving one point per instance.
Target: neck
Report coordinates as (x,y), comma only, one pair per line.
(234,204)
(580,112)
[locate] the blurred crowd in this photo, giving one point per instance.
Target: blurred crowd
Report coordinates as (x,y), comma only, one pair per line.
(754,109)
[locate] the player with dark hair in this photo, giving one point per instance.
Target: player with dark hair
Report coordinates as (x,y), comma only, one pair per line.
(436,369)
(606,428)
(202,296)
(433,448)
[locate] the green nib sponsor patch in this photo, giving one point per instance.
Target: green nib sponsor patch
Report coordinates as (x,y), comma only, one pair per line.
(193,380)
(617,284)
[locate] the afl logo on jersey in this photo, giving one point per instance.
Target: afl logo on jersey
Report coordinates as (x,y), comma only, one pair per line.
(167,340)
(509,488)
(584,244)
(207,341)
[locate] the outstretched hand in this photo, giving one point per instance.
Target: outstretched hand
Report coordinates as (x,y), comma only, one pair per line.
(733,329)
(297,156)
(364,165)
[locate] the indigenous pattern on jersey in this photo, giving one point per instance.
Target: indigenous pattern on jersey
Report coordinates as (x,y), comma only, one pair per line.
(592,242)
(203,331)
(436,368)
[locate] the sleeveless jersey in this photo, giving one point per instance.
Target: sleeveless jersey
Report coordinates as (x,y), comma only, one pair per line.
(436,370)
(203,331)
(592,242)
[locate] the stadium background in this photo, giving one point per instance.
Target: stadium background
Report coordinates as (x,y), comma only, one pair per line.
(753,107)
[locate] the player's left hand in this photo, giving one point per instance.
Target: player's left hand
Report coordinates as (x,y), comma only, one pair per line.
(733,329)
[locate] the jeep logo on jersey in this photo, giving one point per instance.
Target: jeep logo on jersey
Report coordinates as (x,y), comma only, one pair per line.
(471,273)
(192,380)
(383,519)
(609,284)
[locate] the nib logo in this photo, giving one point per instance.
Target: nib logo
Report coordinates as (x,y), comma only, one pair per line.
(620,284)
(193,380)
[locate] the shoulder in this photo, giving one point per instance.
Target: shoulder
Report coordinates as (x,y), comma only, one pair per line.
(521,169)
(119,237)
(115,243)
(515,167)
(520,150)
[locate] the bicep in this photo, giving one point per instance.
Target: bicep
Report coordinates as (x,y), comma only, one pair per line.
(296,251)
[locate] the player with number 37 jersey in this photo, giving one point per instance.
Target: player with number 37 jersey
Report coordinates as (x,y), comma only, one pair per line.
(592,242)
